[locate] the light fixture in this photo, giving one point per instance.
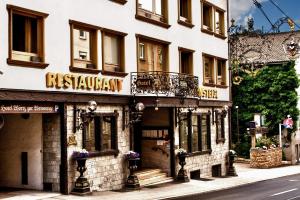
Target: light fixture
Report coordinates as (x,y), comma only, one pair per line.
(139,107)
(156,104)
(135,113)
(83,117)
(92,106)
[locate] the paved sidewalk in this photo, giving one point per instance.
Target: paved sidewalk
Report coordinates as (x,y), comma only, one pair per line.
(246,175)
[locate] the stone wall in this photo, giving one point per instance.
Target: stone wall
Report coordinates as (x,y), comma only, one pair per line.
(104,173)
(260,158)
(51,151)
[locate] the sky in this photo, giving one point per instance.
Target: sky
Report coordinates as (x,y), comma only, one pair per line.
(240,10)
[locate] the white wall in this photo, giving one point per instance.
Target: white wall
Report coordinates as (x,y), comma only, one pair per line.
(105,13)
(21,135)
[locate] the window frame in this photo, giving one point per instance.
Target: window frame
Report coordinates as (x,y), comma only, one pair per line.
(220,120)
(121,50)
(98,144)
(188,22)
(212,65)
(223,69)
(188,116)
(212,28)
(149,40)
(40,17)
(215,71)
(191,61)
(153,18)
(93,30)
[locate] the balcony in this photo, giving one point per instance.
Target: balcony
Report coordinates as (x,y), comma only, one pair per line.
(164,83)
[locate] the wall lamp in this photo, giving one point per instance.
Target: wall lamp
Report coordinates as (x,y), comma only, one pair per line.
(83,117)
(135,113)
(223,112)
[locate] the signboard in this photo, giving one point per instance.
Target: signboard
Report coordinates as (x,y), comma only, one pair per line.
(288,123)
(28,108)
(144,83)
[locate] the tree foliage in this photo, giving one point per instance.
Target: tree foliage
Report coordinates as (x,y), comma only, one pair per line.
(271,92)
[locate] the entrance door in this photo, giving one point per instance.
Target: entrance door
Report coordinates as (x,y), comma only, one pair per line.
(21,151)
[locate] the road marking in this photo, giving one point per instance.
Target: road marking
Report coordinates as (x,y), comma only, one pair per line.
(293,198)
(284,192)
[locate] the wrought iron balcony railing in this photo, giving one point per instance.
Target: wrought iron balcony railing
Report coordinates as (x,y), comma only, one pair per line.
(166,83)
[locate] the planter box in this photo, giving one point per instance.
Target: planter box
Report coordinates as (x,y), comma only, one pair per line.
(260,158)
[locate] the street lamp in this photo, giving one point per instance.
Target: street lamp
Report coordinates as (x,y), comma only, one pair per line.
(237,125)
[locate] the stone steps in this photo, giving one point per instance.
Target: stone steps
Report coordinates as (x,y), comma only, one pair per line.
(151,177)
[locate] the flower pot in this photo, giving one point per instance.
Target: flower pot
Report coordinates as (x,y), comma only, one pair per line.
(132,181)
(82,185)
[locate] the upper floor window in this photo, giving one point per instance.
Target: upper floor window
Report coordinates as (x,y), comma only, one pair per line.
(83,47)
(208,63)
(101,135)
(185,13)
(186,61)
(113,52)
(221,72)
(152,55)
(26,37)
(214,71)
(153,11)
(213,20)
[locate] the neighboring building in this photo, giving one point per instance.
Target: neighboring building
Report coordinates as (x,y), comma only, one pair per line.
(169,55)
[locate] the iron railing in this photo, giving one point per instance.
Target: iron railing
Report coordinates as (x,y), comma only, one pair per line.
(165,83)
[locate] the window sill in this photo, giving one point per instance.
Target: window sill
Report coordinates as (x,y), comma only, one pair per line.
(27,64)
(207,31)
(152,21)
(104,153)
(119,1)
(220,36)
(209,84)
(222,140)
(84,70)
(221,86)
(184,23)
(197,153)
(109,73)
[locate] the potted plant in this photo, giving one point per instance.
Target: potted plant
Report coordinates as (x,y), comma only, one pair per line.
(182,173)
(82,185)
(132,181)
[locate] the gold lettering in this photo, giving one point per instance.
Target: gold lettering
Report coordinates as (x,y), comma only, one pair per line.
(106,84)
(98,83)
(67,81)
(60,80)
(81,83)
(50,79)
(75,81)
(120,85)
(90,82)
(113,84)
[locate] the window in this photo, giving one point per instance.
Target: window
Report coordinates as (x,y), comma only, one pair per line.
(214,71)
(83,47)
(207,17)
(208,63)
(185,13)
(213,20)
(220,129)
(219,22)
(113,52)
(101,134)
(26,37)
(154,54)
(186,61)
(153,11)
(194,132)
(221,72)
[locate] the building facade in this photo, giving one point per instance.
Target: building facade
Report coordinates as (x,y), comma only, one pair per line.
(169,55)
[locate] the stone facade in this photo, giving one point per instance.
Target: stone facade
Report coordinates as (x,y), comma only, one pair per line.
(51,151)
(104,173)
(260,158)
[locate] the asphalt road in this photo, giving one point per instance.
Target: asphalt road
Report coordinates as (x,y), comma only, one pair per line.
(284,188)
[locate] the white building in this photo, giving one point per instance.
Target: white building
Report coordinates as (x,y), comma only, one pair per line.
(58,55)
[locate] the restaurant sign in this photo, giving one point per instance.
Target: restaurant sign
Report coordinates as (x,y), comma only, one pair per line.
(28,108)
(208,93)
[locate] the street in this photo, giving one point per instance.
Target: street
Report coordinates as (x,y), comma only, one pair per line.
(284,188)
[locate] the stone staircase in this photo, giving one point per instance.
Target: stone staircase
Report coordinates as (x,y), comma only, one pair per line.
(149,177)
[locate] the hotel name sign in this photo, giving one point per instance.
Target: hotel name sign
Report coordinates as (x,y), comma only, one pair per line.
(80,82)
(28,108)
(208,93)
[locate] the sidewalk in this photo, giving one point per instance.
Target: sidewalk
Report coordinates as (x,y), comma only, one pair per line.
(246,175)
